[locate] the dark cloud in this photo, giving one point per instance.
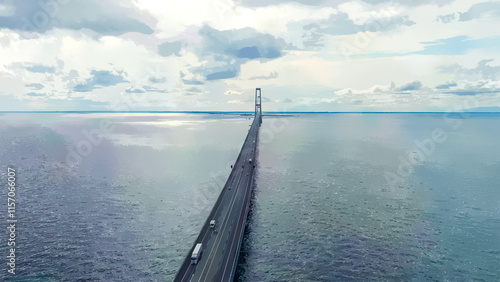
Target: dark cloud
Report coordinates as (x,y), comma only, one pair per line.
(227,50)
(244,43)
(170,48)
(155,80)
(446,85)
(230,73)
(415,85)
(41,69)
(99,79)
(103,17)
(35,86)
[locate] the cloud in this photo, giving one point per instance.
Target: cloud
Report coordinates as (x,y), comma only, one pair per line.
(99,78)
(447,85)
(227,50)
(170,48)
(103,17)
(480,9)
(446,18)
(244,43)
(154,90)
(412,86)
(35,86)
(261,3)
(34,94)
(135,91)
(476,11)
(270,76)
(41,69)
(230,73)
(232,92)
(465,92)
(155,80)
(342,24)
(482,71)
(192,82)
(234,102)
(7,9)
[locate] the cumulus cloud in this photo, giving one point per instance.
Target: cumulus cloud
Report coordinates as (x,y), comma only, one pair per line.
(35,86)
(170,48)
(412,86)
(100,79)
(103,17)
(447,85)
(342,24)
(482,71)
(234,102)
(227,50)
(244,43)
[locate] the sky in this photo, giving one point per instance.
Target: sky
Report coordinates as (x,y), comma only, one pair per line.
(210,55)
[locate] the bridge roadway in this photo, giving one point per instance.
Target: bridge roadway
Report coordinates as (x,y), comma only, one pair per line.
(221,245)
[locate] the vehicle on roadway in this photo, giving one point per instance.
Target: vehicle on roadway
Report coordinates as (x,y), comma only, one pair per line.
(196,253)
(212,223)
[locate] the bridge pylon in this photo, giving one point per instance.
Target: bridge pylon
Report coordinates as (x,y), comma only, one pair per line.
(258,105)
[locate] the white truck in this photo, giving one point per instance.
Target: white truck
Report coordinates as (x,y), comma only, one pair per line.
(196,253)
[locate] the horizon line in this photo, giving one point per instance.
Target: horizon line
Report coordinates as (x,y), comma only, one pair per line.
(252,112)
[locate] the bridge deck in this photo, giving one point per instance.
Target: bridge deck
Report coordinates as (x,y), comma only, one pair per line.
(221,245)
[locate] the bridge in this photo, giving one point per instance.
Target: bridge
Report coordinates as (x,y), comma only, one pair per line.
(222,234)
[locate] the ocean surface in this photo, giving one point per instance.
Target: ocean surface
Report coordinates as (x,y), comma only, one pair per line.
(338,197)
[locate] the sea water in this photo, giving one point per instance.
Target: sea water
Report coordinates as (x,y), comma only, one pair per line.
(108,196)
(364,197)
